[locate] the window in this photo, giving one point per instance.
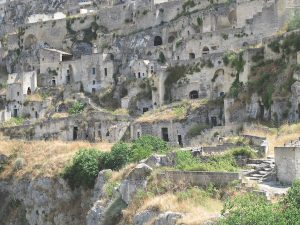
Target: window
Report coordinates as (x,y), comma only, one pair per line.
(94,82)
(105,72)
(94,70)
(18,93)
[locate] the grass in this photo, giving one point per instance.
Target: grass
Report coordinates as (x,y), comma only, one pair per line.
(176,111)
(34,98)
(275,136)
(197,204)
(120,111)
(42,158)
(15,121)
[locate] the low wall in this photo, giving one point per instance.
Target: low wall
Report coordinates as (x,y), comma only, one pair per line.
(199,178)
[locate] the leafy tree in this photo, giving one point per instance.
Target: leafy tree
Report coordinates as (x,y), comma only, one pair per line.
(84,168)
(145,146)
(251,209)
(117,158)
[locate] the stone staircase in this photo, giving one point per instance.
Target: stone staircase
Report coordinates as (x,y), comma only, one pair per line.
(262,170)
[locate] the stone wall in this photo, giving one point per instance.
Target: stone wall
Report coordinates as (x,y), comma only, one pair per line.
(287,161)
(199,178)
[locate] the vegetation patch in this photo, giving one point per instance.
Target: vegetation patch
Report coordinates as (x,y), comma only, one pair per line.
(174,74)
(76,108)
(253,209)
(225,162)
(197,129)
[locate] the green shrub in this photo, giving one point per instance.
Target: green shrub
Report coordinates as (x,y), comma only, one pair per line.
(145,146)
(161,58)
(199,21)
(243,151)
(188,4)
(83,169)
(186,161)
(173,75)
(117,158)
(249,209)
(275,46)
(76,108)
(14,121)
(197,129)
(252,209)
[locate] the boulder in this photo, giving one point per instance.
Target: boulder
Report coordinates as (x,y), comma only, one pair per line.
(102,178)
(136,180)
(144,217)
(168,218)
(95,214)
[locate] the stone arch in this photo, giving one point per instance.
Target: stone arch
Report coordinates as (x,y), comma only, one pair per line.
(205,50)
(192,55)
(30,42)
(28,91)
(219,72)
(157,41)
(232,17)
(194,94)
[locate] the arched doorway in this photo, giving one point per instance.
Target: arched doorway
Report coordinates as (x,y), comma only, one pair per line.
(29,91)
(205,50)
(194,94)
(157,41)
(192,55)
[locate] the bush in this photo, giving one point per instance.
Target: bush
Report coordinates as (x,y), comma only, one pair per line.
(76,108)
(275,46)
(145,146)
(117,158)
(252,209)
(84,169)
(161,58)
(243,151)
(197,129)
(186,161)
(174,74)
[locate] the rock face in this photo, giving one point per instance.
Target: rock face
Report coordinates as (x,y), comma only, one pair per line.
(168,218)
(148,216)
(136,180)
(144,217)
(161,160)
(44,199)
(50,201)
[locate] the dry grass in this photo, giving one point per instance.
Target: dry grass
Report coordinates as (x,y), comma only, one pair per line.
(276,137)
(34,98)
(60,115)
(176,111)
(194,213)
(39,158)
(117,176)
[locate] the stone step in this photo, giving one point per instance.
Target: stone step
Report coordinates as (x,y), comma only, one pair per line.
(256,175)
(268,169)
(254,178)
(262,172)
